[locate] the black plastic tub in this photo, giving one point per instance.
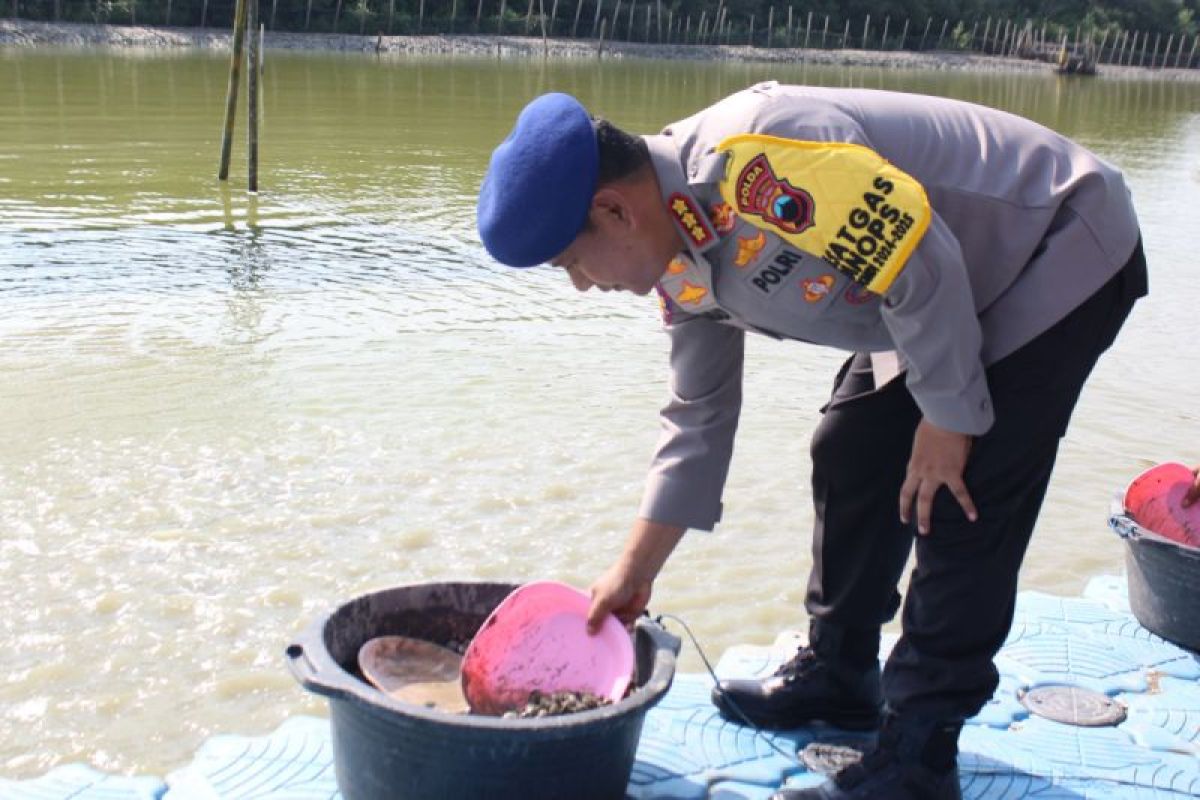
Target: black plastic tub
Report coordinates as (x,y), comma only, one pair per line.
(1163,579)
(384,749)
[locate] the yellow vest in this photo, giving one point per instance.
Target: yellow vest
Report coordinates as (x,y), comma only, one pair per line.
(842,202)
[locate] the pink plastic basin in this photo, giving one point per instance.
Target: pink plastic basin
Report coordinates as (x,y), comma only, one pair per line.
(537,639)
(1155,501)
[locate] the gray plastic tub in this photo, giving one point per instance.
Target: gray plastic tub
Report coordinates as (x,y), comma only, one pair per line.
(388,750)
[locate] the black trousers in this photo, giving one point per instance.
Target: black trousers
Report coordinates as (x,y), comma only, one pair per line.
(960,600)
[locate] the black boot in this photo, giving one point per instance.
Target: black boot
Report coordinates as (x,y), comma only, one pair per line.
(914,759)
(835,680)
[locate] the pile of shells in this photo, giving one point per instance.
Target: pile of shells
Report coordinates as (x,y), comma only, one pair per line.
(556,704)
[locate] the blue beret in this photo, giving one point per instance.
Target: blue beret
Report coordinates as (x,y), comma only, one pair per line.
(538,188)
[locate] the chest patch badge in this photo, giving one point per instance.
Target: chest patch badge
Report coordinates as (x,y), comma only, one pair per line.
(690,220)
(762,193)
(748,249)
(721,215)
(691,294)
(856,295)
(768,278)
(816,289)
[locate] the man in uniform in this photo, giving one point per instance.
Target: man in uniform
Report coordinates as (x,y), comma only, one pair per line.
(974,263)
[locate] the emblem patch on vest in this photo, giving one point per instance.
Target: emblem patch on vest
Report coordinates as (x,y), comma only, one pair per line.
(761,193)
(689,218)
(748,249)
(816,289)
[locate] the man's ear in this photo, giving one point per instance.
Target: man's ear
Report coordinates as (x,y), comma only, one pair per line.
(612,208)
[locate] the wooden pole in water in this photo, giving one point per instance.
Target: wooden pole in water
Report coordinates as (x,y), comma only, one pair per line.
(478,14)
(770,24)
(629,24)
(649,11)
(887,20)
(866,31)
(825,32)
(542,20)
(942,35)
(596,19)
(1100,50)
(528,16)
(274,3)
(1192,54)
(252,96)
(1167,50)
(904,36)
(235,67)
(500,22)
(553,16)
(846,34)
(1179,54)
(600,47)
(307,13)
(575,25)
(1153,58)
(926,33)
(167,22)
(750,38)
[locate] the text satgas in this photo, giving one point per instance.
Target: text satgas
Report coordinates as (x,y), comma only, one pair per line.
(869,236)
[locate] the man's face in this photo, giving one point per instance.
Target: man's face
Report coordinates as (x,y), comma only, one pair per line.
(624,247)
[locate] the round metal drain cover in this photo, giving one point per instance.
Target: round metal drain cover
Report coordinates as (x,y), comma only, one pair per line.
(1074,706)
(826,759)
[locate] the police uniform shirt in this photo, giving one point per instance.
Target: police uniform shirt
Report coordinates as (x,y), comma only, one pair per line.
(1026,225)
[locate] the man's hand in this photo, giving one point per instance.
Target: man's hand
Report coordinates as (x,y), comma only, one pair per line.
(621,592)
(1193,494)
(938,459)
(624,588)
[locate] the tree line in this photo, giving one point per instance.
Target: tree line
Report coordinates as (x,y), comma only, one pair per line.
(907,24)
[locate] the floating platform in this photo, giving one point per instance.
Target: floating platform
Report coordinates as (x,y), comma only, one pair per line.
(1116,670)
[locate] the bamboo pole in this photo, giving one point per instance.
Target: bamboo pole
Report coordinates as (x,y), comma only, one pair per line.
(904,36)
(204,14)
(866,30)
(701,27)
(649,16)
(252,97)
(790,41)
(307,13)
(1153,58)
(235,67)
(500,23)
(528,17)
(670,24)
(970,42)
(1192,55)
(1100,51)
(1167,50)
(478,15)
(750,39)
(926,32)
(600,46)
(825,32)
(1179,53)
(553,16)
(542,20)
(616,20)
(846,34)
(687,30)
(887,20)
(596,19)
(337,16)
(629,24)
(942,35)
(575,24)
(770,24)
(57,8)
